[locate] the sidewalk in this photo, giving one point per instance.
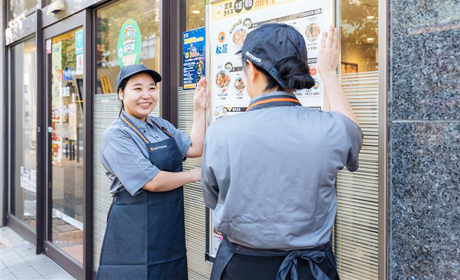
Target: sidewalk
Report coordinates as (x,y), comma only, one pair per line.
(19,261)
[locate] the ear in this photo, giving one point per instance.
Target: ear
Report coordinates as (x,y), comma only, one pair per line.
(251,71)
(121,94)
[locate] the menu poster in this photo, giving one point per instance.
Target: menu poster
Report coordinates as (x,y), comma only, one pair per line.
(229,23)
(194,52)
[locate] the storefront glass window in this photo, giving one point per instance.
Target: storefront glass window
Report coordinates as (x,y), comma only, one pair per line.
(17,7)
(195,214)
(24,126)
(195,14)
(359,36)
(67,145)
(356,228)
(143,16)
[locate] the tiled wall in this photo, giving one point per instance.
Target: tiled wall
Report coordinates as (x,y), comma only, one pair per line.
(424,135)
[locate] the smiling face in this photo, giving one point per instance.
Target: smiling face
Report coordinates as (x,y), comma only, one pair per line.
(140,96)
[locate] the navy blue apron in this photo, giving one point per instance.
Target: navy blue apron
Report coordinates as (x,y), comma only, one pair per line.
(145,234)
(288,268)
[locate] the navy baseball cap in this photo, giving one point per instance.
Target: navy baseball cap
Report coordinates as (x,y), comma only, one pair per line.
(130,70)
(271,43)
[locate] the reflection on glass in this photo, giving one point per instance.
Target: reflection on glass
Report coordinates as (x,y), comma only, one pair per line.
(195,14)
(18,7)
(359,36)
(24,94)
(194,19)
(67,148)
(109,22)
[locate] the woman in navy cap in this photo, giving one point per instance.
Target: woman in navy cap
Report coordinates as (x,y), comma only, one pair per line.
(269,173)
(142,155)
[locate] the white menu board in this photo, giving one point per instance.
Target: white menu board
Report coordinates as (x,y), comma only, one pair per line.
(227,25)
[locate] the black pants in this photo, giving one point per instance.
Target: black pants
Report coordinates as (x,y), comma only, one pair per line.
(244,267)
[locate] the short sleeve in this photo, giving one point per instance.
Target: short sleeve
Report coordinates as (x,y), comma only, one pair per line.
(182,139)
(214,168)
(354,143)
(123,157)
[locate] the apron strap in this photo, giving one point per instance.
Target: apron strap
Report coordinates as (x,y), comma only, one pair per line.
(110,209)
(162,128)
(224,255)
(139,134)
(133,127)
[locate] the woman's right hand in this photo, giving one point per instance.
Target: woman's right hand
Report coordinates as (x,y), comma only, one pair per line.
(195,175)
(328,56)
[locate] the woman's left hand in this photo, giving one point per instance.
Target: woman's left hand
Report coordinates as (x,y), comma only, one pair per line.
(201,95)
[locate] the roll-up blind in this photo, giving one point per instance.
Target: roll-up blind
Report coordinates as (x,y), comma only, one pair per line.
(106,109)
(195,217)
(356,225)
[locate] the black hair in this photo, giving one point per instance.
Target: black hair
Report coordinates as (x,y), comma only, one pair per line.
(122,86)
(292,70)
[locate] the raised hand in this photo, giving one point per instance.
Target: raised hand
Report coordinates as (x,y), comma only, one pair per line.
(201,98)
(328,56)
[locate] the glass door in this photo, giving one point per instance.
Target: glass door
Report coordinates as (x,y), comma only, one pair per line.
(65,145)
(68,142)
(24,131)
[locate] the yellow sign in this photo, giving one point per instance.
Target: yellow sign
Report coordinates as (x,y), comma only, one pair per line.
(193,40)
(226,9)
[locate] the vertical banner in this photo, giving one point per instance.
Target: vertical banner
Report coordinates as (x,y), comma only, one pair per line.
(228,24)
(193,57)
(56,70)
(58,108)
(79,42)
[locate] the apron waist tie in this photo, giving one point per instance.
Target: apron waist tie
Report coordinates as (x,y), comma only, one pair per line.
(313,258)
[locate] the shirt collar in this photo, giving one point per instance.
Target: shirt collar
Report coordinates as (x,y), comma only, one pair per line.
(137,121)
(265,95)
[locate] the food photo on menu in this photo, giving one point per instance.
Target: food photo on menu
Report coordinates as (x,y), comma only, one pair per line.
(223,80)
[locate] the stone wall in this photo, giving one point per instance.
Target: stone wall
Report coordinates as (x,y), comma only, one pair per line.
(424,135)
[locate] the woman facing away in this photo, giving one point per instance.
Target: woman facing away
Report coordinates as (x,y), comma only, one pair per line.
(269,173)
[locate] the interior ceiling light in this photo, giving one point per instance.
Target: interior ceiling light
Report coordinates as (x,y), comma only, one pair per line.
(370,17)
(195,12)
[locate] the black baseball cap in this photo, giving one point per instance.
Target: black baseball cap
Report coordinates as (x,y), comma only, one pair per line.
(271,43)
(130,70)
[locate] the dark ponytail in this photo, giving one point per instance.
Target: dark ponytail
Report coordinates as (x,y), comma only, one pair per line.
(122,86)
(295,73)
(292,70)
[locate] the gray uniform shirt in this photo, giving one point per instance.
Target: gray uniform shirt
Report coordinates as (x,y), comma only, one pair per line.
(125,156)
(270,174)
